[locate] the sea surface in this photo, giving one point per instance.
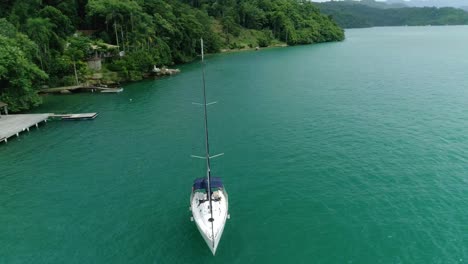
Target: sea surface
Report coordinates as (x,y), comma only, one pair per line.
(349,152)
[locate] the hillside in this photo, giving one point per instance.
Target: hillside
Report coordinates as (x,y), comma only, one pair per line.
(47,42)
(384,5)
(432,3)
(357,15)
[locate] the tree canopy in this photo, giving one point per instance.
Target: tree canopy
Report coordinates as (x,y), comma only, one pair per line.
(18,73)
(58,36)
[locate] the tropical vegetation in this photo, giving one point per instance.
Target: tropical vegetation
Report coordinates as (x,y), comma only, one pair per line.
(48,42)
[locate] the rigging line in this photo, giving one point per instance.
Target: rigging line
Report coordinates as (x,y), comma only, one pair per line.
(206,104)
(211,157)
(208,165)
(217,155)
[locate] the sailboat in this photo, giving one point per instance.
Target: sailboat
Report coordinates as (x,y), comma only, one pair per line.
(209,199)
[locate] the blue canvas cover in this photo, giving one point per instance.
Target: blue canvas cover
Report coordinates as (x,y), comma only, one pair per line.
(216,182)
(200,183)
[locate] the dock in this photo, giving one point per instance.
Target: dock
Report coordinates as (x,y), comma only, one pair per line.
(61,89)
(80,88)
(13,125)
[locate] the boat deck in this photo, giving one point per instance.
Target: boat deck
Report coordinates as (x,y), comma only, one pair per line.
(211,226)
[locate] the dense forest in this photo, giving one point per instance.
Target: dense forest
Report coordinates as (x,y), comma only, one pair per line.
(49,42)
(352,14)
(462,4)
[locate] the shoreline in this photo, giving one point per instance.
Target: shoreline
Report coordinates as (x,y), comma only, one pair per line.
(57,90)
(280,45)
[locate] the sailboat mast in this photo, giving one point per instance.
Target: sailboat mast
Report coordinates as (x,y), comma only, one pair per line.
(207,144)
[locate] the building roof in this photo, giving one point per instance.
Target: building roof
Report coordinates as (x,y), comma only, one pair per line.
(2,104)
(105,45)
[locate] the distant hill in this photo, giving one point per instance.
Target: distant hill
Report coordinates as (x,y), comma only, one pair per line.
(353,14)
(462,4)
(432,3)
(382,5)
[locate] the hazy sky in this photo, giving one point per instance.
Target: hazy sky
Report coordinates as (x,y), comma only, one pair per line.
(455,3)
(440,1)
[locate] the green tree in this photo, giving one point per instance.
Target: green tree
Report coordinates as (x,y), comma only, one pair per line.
(41,31)
(62,25)
(19,76)
(76,51)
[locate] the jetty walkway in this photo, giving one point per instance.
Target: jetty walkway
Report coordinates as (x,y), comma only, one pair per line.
(81,88)
(12,125)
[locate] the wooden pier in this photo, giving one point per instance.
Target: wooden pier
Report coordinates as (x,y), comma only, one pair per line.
(81,88)
(13,125)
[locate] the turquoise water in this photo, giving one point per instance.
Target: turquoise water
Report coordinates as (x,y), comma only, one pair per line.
(352,152)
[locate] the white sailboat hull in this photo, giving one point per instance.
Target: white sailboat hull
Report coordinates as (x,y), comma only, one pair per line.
(211,227)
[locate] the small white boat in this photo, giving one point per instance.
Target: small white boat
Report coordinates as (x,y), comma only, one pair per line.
(112,90)
(209,199)
(83,116)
